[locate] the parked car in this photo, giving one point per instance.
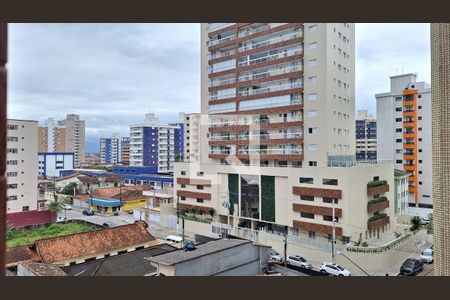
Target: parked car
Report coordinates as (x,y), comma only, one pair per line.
(424,221)
(298,261)
(88,212)
(116,212)
(411,266)
(174,238)
(66,207)
(334,269)
(189,246)
(145,223)
(109,224)
(275,256)
(427,256)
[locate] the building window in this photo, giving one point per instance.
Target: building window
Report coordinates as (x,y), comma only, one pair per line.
(313,28)
(200,187)
(398,140)
(312,234)
(200,173)
(312,97)
(312,147)
(308,180)
(398,130)
(328,218)
(306,198)
(312,62)
(398,119)
(312,46)
(307,215)
(183,172)
(183,198)
(183,186)
(328,200)
(313,163)
(312,113)
(398,109)
(327,181)
(25,208)
(199,200)
(11,198)
(312,79)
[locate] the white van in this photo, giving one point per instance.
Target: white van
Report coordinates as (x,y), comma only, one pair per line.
(174,238)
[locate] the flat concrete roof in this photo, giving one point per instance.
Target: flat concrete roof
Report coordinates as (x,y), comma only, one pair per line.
(176,257)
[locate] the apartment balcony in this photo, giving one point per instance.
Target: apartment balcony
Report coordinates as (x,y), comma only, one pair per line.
(377,187)
(221,54)
(272,41)
(294,104)
(377,221)
(268,75)
(222,83)
(271,57)
(377,205)
(265,27)
(273,151)
(215,42)
(220,97)
(245,124)
(213,27)
(270,89)
(230,68)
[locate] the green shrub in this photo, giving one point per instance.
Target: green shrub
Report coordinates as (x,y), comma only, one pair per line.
(377,217)
(375,183)
(381,199)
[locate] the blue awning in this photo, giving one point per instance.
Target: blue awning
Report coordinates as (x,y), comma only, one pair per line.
(100,202)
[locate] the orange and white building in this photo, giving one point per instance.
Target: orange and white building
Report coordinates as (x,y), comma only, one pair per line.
(404,136)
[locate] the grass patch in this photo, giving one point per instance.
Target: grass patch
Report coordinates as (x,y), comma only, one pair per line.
(29,236)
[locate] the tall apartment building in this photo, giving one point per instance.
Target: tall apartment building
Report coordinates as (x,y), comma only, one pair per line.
(404,136)
(111,150)
(279,146)
(154,145)
(192,125)
(125,150)
(440,79)
(366,137)
(22,162)
(66,135)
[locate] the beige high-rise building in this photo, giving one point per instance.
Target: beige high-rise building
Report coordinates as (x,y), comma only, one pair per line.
(192,137)
(440,97)
(277,142)
(21,165)
(63,136)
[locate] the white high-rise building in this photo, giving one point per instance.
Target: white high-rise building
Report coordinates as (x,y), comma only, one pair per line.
(404,136)
(278,133)
(111,149)
(154,145)
(192,127)
(22,162)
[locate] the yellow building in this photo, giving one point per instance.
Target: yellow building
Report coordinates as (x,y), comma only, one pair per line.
(125,201)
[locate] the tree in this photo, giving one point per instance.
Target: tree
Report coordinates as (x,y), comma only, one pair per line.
(101,167)
(56,206)
(415,221)
(179,157)
(211,212)
(70,188)
(9,229)
(194,209)
(200,211)
(430,224)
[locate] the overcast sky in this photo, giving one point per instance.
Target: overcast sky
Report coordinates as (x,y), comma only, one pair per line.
(111,74)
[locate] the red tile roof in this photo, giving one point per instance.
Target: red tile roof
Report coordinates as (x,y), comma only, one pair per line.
(113,178)
(20,254)
(88,179)
(115,191)
(83,197)
(71,247)
(27,218)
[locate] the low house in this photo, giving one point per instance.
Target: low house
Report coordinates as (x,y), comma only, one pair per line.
(109,200)
(19,254)
(158,197)
(29,218)
(38,269)
(224,257)
(89,182)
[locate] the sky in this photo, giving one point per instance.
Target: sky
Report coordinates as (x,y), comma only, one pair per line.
(112,74)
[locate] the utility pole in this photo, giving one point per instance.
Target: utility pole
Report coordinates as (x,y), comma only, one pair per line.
(333,241)
(285,245)
(182,235)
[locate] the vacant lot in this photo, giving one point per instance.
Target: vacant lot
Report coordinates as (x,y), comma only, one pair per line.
(25,237)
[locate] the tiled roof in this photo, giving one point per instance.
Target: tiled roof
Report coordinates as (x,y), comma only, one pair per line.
(88,179)
(114,191)
(40,269)
(19,254)
(70,247)
(129,195)
(128,264)
(68,176)
(28,218)
(83,197)
(113,178)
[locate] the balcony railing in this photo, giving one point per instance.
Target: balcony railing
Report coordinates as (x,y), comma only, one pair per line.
(270,73)
(223,96)
(269,89)
(269,57)
(217,26)
(220,151)
(270,151)
(271,41)
(221,82)
(224,68)
(220,41)
(221,54)
(265,27)
(272,105)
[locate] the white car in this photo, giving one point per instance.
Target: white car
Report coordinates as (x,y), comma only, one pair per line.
(427,255)
(66,207)
(174,238)
(298,261)
(334,269)
(275,256)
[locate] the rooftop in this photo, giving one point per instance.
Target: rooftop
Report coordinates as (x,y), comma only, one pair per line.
(181,255)
(117,191)
(40,269)
(20,254)
(128,264)
(29,218)
(73,246)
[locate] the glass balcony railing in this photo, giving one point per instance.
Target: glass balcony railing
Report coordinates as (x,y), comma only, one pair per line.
(220,41)
(220,54)
(269,73)
(271,151)
(269,89)
(217,26)
(250,31)
(222,96)
(220,151)
(270,57)
(271,41)
(221,82)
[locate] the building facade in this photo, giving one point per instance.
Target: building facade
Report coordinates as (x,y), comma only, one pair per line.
(21,169)
(279,144)
(366,137)
(192,137)
(401,193)
(51,163)
(155,145)
(125,145)
(111,150)
(404,136)
(66,135)
(440,78)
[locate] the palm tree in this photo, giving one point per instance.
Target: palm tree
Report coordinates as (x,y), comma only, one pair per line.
(211,212)
(56,206)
